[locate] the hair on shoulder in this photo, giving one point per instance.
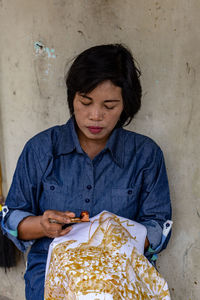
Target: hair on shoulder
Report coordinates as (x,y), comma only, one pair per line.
(112,62)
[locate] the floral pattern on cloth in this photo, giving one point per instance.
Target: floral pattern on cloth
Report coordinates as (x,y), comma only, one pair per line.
(109,265)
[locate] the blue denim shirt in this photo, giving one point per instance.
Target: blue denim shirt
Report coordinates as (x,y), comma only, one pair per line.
(128,177)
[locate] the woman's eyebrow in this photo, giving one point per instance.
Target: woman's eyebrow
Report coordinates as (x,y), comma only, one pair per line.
(112,100)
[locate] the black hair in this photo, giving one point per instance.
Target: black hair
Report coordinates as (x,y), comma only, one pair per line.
(112,62)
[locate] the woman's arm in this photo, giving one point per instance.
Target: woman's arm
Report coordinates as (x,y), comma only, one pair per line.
(35,227)
(155,206)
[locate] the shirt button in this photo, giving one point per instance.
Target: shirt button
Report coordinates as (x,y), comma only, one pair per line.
(130,192)
(89,187)
(52,187)
(87,200)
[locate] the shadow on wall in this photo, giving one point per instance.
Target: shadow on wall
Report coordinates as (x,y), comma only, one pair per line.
(5,298)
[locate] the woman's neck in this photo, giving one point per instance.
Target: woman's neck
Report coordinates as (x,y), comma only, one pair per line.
(92,147)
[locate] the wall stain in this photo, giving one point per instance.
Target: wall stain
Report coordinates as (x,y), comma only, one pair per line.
(101,11)
(188,68)
(41,49)
(189,117)
(185,257)
(191,72)
(144,94)
(38,75)
(43,65)
(195,186)
(191,271)
(61,3)
(157,4)
(81,33)
(198,214)
(158,7)
(118,27)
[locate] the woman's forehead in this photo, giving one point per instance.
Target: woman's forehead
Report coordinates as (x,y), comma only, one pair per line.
(105,89)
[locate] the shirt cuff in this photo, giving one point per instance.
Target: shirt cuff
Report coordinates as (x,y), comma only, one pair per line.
(10,224)
(154,233)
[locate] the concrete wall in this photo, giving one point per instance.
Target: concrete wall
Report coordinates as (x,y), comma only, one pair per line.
(164,37)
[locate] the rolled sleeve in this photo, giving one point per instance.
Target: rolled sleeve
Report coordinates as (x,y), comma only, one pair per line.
(154,233)
(10,224)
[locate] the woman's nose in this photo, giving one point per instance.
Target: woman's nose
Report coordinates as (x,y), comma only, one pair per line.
(96,114)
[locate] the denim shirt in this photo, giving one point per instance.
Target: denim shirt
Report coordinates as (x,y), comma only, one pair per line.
(128,177)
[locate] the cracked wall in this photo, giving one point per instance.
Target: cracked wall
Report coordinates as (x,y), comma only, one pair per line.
(39,40)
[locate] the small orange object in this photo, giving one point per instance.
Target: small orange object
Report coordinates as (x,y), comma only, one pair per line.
(84,217)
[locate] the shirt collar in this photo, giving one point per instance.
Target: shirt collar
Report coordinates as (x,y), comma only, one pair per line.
(116,146)
(68,142)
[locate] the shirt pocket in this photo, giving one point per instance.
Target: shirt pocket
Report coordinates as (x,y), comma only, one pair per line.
(125,201)
(53,196)
(60,198)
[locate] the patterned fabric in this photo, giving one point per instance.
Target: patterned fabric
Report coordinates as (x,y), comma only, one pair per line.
(103,260)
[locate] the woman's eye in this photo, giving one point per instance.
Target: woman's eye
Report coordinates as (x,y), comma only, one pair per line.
(109,107)
(84,103)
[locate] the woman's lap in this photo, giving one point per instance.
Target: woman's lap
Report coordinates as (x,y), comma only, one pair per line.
(35,276)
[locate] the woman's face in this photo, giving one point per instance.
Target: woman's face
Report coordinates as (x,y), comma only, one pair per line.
(98,112)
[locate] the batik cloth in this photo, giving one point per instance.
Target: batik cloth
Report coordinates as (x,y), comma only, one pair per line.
(103,259)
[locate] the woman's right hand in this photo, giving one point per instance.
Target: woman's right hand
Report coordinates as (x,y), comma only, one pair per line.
(35,227)
(55,229)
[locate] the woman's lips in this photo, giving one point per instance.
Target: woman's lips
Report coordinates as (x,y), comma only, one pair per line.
(95,129)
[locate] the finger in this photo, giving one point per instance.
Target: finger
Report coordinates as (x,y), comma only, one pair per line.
(69,214)
(55,228)
(52,236)
(51,227)
(65,231)
(49,213)
(54,233)
(58,217)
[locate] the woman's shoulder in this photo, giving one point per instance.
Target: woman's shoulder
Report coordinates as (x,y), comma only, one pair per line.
(140,142)
(143,148)
(47,136)
(47,141)
(138,138)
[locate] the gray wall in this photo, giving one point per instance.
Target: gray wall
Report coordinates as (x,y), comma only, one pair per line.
(164,37)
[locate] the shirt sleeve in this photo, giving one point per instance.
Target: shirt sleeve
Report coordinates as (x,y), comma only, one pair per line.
(155,205)
(21,201)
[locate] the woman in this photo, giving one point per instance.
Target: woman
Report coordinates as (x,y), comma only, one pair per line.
(90,163)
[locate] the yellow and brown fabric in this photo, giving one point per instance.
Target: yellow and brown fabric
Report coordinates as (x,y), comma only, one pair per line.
(109,264)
